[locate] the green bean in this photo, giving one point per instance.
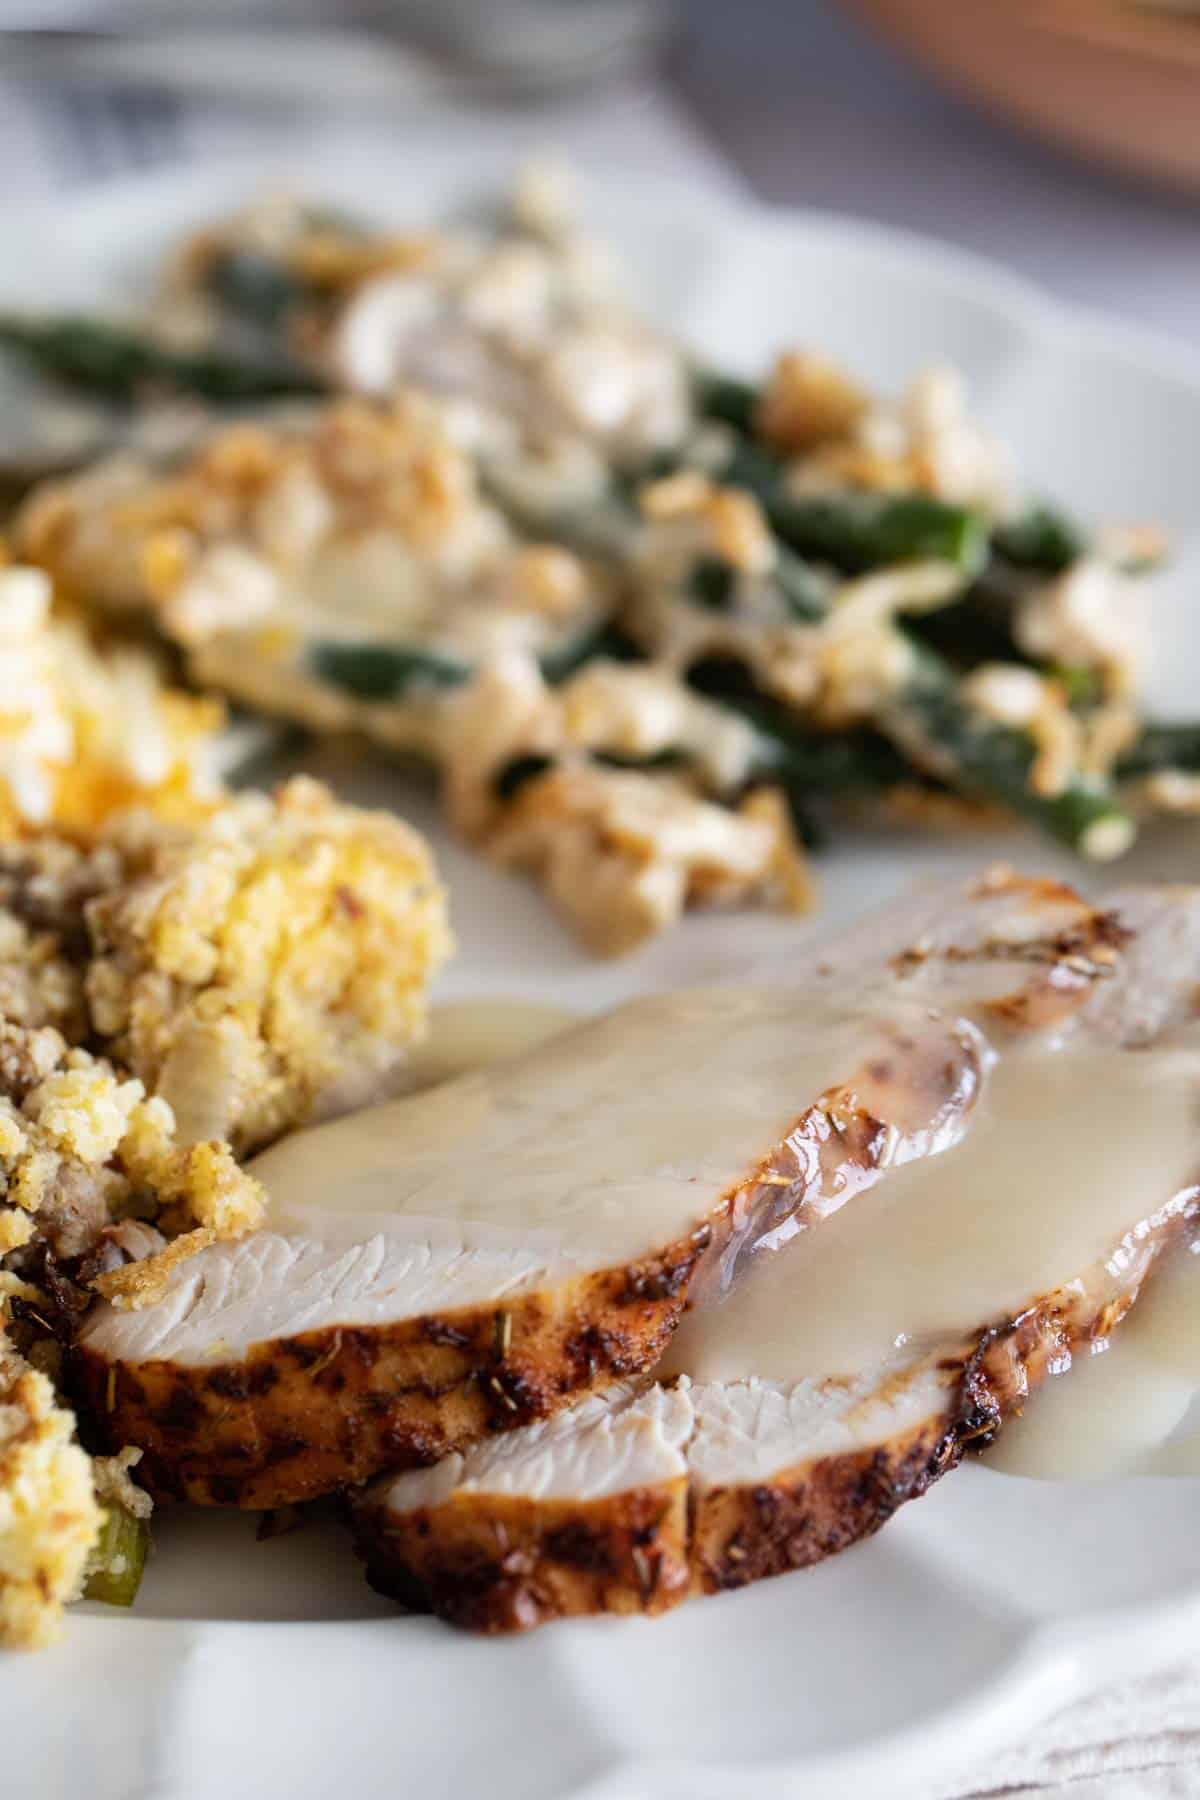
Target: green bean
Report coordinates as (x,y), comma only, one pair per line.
(254,287)
(509,780)
(802,589)
(930,720)
(854,531)
(967,632)
(107,359)
(1041,537)
(859,532)
(712,583)
(1161,747)
(877,530)
(384,671)
(119,1559)
(601,639)
(725,398)
(667,758)
(812,762)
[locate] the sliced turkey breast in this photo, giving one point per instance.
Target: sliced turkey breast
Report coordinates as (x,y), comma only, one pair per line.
(509,1239)
(608,1511)
(543,1223)
(846,1372)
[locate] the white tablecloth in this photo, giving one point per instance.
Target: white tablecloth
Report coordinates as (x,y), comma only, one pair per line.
(1137,1741)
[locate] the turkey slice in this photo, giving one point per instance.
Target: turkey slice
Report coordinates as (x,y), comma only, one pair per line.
(473,1258)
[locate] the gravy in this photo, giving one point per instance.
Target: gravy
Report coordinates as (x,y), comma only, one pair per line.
(1124,1409)
(465,1035)
(628,1128)
(1067,1151)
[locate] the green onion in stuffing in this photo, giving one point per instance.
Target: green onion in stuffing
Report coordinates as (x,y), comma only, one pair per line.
(119,1559)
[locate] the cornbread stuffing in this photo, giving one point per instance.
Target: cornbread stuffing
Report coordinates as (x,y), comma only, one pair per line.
(49,1515)
(256,960)
(263,964)
(82,1144)
(258,968)
(269,965)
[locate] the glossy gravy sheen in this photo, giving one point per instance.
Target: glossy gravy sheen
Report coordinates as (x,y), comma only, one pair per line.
(1067,1151)
(627,1128)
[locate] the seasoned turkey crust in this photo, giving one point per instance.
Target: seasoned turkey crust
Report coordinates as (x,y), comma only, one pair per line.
(301,1415)
(498,1560)
(505,1561)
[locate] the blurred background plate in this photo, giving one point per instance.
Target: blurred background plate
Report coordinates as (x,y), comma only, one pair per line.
(1114,79)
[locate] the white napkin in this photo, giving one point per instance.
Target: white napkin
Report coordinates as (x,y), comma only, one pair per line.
(1137,1741)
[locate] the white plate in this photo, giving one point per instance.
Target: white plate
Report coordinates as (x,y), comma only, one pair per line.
(270,1670)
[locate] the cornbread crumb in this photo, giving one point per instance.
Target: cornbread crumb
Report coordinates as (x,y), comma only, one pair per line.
(16,1229)
(808,400)
(143,1283)
(113,1484)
